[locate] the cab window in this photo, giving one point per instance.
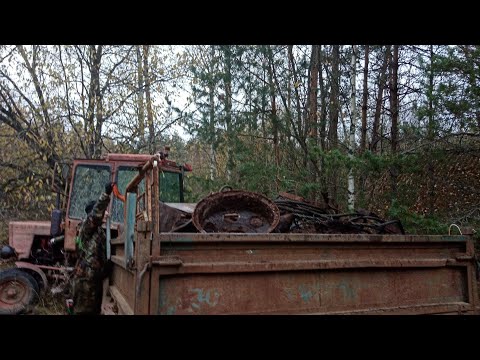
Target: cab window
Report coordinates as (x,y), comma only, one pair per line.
(88,184)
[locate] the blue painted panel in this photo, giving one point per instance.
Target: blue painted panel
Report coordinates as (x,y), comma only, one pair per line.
(131,204)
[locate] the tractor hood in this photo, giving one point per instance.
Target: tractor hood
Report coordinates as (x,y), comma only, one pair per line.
(22,233)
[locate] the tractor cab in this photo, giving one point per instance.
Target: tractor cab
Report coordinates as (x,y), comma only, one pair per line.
(89,179)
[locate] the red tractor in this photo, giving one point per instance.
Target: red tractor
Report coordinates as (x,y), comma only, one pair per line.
(42,253)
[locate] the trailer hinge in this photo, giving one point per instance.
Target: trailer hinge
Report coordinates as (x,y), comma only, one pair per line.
(167,261)
(464,257)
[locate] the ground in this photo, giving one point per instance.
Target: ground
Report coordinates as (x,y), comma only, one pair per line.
(49,304)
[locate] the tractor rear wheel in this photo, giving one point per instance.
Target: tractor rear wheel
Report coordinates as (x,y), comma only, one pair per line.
(18,290)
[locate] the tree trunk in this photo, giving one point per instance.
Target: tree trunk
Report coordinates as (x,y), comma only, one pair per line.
(228,108)
(394,98)
(264,90)
(333,126)
(140,102)
(276,148)
(295,86)
(363,141)
(95,55)
(312,117)
(378,108)
(99,106)
(323,101)
(212,135)
(394,113)
(431,137)
(323,124)
(213,167)
(353,105)
(334,98)
(151,127)
(36,82)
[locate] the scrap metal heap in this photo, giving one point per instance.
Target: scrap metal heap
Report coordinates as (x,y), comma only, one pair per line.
(302,217)
(237,211)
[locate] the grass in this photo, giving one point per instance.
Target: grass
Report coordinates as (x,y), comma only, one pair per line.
(49,304)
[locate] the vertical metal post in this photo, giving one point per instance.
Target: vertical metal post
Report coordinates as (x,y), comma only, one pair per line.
(131,205)
(109,237)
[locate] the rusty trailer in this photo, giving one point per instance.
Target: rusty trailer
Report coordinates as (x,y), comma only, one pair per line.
(183,273)
(188,273)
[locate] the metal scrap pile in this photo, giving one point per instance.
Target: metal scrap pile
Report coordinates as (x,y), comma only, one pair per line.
(237,211)
(299,216)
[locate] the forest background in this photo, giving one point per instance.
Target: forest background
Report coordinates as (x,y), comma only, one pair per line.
(390,128)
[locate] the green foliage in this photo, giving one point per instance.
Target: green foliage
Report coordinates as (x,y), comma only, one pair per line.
(197,187)
(308,190)
(371,162)
(375,164)
(255,176)
(417,224)
(458,94)
(241,96)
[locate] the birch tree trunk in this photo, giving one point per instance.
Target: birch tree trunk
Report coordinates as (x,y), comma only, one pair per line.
(431,137)
(351,150)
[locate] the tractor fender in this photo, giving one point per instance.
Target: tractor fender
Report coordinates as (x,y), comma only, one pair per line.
(36,269)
